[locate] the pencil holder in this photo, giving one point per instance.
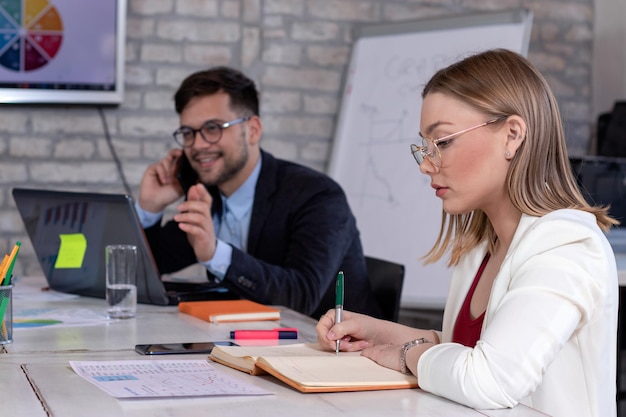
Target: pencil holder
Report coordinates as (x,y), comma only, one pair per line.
(6,314)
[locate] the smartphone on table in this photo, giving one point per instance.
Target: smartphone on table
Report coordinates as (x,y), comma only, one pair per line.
(179,348)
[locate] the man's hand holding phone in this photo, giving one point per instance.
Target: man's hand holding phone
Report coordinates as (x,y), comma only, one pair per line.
(159,185)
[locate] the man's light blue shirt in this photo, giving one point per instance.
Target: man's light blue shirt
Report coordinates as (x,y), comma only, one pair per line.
(240,204)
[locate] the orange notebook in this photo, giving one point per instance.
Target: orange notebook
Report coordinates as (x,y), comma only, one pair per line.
(229,310)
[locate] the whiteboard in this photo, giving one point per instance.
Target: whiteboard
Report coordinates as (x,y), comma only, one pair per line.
(397,212)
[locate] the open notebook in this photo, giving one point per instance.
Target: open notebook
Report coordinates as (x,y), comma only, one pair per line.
(69,231)
(307,368)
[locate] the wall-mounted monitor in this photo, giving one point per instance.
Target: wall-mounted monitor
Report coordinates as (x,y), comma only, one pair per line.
(62,51)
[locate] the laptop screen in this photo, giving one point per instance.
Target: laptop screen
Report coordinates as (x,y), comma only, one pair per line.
(69,231)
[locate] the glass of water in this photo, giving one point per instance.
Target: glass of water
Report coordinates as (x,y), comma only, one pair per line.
(121,285)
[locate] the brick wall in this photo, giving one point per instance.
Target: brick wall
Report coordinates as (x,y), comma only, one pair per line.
(297,52)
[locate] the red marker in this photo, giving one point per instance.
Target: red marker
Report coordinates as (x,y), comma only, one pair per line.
(279,333)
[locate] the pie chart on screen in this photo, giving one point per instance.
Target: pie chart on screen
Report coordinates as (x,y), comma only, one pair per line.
(31,33)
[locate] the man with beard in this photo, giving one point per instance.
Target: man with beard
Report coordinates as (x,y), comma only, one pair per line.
(266,229)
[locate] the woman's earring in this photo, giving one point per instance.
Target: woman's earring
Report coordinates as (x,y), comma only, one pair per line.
(507,155)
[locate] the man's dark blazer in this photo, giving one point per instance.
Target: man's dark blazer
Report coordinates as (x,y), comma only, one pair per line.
(302,232)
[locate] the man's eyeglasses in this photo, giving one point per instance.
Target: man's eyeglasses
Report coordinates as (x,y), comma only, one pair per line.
(431,147)
(211,132)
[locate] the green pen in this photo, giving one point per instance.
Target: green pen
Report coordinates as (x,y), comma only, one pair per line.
(338,304)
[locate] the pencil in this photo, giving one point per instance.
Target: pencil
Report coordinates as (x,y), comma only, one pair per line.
(12,258)
(3,267)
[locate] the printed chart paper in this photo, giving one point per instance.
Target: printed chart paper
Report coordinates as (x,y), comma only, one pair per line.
(162,378)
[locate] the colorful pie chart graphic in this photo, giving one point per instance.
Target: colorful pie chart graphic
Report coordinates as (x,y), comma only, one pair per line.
(31,33)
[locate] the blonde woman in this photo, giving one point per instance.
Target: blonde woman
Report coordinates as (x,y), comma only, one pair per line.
(531,316)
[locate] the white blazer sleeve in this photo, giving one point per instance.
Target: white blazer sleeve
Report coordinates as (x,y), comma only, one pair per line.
(556,275)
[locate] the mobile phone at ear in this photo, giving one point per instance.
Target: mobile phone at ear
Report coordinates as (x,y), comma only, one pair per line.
(179,348)
(185,174)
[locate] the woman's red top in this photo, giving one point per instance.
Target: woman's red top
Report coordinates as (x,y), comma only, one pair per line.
(466,329)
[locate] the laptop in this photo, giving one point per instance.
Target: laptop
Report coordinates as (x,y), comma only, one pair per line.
(69,231)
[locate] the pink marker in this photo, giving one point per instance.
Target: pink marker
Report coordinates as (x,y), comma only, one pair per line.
(278,333)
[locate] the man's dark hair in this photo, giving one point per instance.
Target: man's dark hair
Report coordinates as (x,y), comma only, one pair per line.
(241,90)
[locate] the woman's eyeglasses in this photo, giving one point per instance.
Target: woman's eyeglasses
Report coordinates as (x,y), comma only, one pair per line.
(430,147)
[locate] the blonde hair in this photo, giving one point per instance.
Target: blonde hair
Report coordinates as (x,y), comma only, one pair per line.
(540,179)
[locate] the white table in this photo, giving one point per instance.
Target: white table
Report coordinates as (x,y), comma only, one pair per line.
(36,378)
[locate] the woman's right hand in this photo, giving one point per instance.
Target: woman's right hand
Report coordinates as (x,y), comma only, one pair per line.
(356,331)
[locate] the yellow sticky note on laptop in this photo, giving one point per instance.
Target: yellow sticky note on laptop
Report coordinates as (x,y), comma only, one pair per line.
(72,251)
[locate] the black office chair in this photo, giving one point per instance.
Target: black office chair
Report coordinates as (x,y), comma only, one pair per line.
(386,279)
